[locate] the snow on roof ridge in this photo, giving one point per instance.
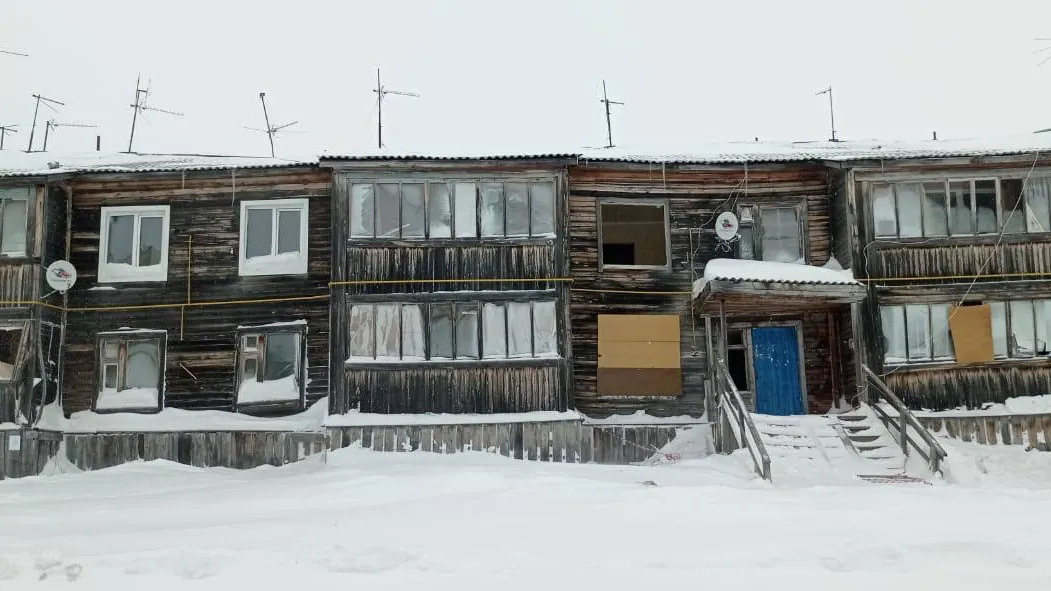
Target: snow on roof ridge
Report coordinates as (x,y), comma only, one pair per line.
(769,271)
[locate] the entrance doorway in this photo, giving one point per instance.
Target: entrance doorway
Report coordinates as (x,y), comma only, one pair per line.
(764,363)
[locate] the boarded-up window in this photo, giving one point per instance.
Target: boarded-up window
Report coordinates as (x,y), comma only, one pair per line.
(639,355)
(972,333)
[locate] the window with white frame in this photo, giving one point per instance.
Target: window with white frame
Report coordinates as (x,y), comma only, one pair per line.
(916,333)
(271,364)
(274,237)
(961,207)
(14,216)
(771,233)
(130,371)
(445,331)
(133,244)
(454,209)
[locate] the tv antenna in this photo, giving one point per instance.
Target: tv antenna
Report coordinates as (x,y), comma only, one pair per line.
(49,103)
(609,125)
(831,110)
(9,52)
(381,91)
(270,130)
(4,130)
(140,106)
(52,124)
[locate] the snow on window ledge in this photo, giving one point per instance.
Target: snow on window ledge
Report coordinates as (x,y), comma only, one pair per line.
(125,273)
(289,263)
(283,390)
(130,399)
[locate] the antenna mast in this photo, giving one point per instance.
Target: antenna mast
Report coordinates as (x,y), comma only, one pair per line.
(52,124)
(270,130)
(141,96)
(9,52)
(609,125)
(381,92)
(47,103)
(831,110)
(4,130)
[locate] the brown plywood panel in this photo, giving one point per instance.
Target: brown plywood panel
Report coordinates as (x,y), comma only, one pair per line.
(614,381)
(641,355)
(972,333)
(638,327)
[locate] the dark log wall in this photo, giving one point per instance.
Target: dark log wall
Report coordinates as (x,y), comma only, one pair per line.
(448,270)
(943,270)
(200,370)
(696,194)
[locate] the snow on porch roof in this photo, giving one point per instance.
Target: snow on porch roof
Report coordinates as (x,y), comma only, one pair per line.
(735,270)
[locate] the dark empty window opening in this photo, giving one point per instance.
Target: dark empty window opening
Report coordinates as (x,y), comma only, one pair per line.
(634,234)
(10,339)
(737,363)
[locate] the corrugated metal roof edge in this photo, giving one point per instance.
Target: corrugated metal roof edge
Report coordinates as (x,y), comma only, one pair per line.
(392,157)
(731,158)
(845,282)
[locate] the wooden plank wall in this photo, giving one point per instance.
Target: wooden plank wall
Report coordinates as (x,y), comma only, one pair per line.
(696,194)
(36,449)
(200,372)
(1032,431)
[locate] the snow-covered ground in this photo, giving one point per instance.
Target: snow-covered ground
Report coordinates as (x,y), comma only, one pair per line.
(479,521)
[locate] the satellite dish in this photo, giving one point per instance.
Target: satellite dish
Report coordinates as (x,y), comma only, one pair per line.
(726,226)
(61,275)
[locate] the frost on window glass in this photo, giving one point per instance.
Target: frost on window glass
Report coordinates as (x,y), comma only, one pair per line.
(388,331)
(1042,312)
(918,336)
(935,220)
(985,206)
(282,355)
(1023,339)
(440,211)
(412,333)
(542,208)
(492,209)
(909,207)
(1038,198)
(121,239)
(388,216)
(362,210)
(884,217)
(519,330)
(960,218)
(999,316)
(494,331)
(893,322)
(413,210)
(517,209)
(143,367)
(151,229)
(1015,211)
(781,235)
(466,210)
(259,232)
(545,342)
(362,335)
(467,332)
(14,207)
(441,324)
(941,339)
(288,230)
(746,243)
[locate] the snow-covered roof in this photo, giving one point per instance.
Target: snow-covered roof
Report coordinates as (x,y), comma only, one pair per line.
(450,156)
(20,164)
(736,271)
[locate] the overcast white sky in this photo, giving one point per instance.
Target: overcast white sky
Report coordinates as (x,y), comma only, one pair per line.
(524,76)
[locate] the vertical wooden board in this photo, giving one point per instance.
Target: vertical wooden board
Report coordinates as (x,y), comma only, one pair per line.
(992,429)
(1047,431)
(1004,426)
(558,442)
(981,431)
(1032,430)
(587,445)
(965,427)
(450,439)
(503,440)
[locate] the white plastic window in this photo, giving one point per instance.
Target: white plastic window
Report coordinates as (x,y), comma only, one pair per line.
(133,244)
(274,237)
(14,214)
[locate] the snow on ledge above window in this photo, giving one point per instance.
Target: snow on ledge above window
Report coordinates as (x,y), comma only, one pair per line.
(300,322)
(123,272)
(355,419)
(289,263)
(132,398)
(282,390)
(745,270)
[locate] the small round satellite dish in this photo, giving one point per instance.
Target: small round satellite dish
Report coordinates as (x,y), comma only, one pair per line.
(61,275)
(726,226)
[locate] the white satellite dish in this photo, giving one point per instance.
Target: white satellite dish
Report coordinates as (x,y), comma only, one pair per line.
(61,275)
(726,226)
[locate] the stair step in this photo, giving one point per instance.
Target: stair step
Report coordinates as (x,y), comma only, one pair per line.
(892,479)
(863,438)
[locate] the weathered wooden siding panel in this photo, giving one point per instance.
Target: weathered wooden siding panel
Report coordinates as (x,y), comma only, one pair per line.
(1019,257)
(34,450)
(1033,431)
(951,386)
(203,272)
(840,218)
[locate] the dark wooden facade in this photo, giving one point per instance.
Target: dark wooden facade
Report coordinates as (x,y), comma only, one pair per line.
(982,267)
(694,196)
(425,272)
(204,300)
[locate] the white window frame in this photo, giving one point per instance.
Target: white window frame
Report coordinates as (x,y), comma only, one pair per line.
(29,194)
(265,265)
(117,273)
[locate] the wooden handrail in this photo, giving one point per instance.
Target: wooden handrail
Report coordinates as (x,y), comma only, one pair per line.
(741,422)
(935,452)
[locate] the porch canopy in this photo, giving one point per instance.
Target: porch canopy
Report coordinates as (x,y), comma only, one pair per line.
(742,286)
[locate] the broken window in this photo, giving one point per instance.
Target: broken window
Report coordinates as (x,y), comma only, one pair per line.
(388,214)
(956,208)
(441,327)
(1038,201)
(440,217)
(516,208)
(1021,328)
(961,219)
(492,209)
(14,215)
(999,319)
(271,365)
(1015,211)
(362,211)
(935,218)
(985,206)
(634,234)
(413,210)
(916,333)
(274,237)
(10,345)
(134,244)
(130,371)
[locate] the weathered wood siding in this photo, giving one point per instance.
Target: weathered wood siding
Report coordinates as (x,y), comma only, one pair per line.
(696,195)
(35,450)
(371,270)
(204,299)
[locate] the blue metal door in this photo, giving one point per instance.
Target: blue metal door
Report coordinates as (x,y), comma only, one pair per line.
(775,359)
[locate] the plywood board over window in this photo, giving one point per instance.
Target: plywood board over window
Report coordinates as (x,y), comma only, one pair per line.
(972,333)
(639,355)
